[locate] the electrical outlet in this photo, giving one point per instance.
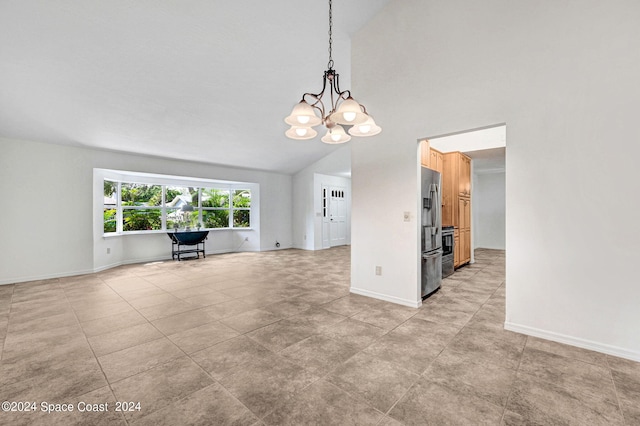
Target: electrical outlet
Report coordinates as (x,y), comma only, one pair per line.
(407,216)
(378,270)
(108,250)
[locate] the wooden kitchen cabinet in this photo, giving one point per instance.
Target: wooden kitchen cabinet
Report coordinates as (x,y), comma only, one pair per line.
(436,160)
(456,247)
(450,191)
(456,203)
(464,182)
(464,213)
(464,220)
(431,158)
(425,153)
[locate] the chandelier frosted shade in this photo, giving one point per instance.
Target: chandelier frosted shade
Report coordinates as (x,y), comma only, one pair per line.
(368,128)
(336,135)
(301,133)
(303,115)
(349,113)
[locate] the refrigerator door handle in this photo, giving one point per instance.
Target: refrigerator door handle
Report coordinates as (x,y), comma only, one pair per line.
(439,206)
(436,207)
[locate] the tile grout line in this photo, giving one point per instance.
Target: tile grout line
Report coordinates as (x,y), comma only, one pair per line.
(295,363)
(155,366)
(187,355)
(615,390)
(109,383)
(387,414)
(4,341)
(513,384)
(94,354)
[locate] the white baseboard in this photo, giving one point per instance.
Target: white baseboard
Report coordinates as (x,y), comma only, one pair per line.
(392,299)
(105,267)
(144,260)
(164,258)
(574,341)
(27,278)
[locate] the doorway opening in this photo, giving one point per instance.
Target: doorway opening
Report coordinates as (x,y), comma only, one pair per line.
(473,167)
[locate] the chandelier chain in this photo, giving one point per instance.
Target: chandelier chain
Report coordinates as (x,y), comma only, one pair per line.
(330,64)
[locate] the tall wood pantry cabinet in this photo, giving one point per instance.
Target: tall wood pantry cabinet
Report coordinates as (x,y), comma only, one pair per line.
(456,203)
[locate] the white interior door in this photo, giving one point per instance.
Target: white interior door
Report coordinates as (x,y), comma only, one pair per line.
(337,216)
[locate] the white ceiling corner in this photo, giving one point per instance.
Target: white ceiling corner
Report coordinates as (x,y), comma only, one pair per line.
(197,80)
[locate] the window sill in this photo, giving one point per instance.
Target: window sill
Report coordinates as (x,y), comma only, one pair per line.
(124,234)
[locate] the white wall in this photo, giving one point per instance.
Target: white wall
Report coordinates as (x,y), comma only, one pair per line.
(489,210)
(306,195)
(48,218)
(563,77)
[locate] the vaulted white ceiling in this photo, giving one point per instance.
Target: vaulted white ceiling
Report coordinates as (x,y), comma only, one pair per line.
(203,80)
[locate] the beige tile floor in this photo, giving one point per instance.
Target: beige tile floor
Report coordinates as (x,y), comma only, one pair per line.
(275,338)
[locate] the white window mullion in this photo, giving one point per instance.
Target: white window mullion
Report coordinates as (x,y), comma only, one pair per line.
(119,209)
(163,206)
(200,221)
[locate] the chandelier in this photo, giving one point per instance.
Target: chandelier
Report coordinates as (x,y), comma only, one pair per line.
(342,110)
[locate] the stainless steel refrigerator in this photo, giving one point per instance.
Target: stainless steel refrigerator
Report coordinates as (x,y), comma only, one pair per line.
(431,185)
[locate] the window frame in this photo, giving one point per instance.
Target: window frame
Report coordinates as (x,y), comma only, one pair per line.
(165,182)
(234,209)
(123,208)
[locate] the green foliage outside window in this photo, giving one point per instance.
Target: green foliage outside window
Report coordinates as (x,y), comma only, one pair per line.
(110,220)
(109,211)
(215,212)
(215,218)
(241,218)
(110,188)
(241,205)
(140,194)
(241,198)
(141,219)
(215,198)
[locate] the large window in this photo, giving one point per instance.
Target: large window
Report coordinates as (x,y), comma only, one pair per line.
(138,207)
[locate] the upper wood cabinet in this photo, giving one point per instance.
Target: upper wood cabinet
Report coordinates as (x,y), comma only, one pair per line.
(431,158)
(425,153)
(436,160)
(450,191)
(464,182)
